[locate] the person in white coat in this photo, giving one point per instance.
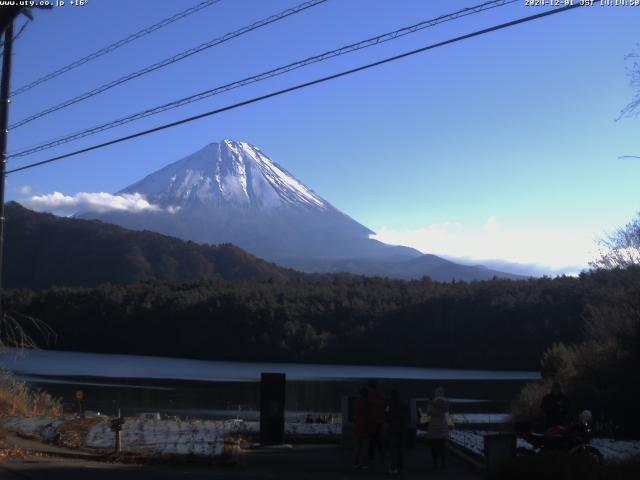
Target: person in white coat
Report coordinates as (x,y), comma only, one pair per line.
(438,430)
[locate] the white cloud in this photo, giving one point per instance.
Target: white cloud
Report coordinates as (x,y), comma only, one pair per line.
(557,250)
(491,225)
(24,190)
(91,202)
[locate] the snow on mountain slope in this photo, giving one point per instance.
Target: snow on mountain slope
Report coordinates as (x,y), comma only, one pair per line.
(227,174)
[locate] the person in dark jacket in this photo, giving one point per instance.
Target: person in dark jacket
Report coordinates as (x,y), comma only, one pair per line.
(377,419)
(555,406)
(397,421)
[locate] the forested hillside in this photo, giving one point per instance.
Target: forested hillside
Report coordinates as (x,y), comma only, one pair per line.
(502,324)
(44,250)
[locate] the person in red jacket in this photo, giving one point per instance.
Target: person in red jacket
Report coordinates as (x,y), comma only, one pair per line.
(361,429)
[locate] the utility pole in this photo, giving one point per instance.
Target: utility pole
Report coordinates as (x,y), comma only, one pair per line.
(4,125)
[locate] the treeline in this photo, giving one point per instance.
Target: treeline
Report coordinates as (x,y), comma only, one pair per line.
(601,371)
(501,324)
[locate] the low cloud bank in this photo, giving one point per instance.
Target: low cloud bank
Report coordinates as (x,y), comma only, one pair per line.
(529,251)
(91,202)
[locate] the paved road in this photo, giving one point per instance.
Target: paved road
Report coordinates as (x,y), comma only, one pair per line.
(302,462)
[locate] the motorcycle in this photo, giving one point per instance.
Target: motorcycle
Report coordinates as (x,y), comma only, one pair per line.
(573,439)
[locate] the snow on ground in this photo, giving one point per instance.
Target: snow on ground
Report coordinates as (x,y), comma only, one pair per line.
(611,449)
(617,449)
(188,437)
(44,427)
(472,440)
(312,428)
(460,418)
(295,428)
(177,437)
(206,437)
(471,418)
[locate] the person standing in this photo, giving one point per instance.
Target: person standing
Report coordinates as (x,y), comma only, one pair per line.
(397,421)
(377,420)
(555,406)
(361,429)
(438,430)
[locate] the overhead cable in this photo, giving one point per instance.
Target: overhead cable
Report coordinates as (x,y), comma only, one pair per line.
(169,61)
(114,46)
(379,39)
(300,86)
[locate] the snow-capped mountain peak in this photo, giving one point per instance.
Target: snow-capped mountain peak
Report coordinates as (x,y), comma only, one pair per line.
(232,192)
(227,174)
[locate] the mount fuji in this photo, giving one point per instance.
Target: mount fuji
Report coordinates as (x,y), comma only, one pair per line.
(231,192)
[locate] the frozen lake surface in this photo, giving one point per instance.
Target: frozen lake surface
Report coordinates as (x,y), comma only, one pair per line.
(221,390)
(64,364)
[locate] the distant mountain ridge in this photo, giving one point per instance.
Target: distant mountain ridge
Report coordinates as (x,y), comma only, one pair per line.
(437,268)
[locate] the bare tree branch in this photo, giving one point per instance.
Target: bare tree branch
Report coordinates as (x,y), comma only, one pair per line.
(633,72)
(620,249)
(14,328)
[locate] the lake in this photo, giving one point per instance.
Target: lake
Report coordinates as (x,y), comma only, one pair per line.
(214,389)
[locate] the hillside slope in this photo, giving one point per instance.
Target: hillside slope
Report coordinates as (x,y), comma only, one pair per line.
(43,250)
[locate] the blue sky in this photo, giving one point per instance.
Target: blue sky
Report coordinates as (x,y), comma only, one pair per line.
(504,146)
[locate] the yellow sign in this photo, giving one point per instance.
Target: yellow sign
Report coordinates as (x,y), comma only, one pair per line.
(79,395)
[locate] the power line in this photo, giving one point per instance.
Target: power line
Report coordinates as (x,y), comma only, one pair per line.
(168,61)
(22,28)
(115,46)
(262,76)
(299,86)
(16,36)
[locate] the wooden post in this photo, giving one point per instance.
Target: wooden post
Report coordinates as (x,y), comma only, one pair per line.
(116,427)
